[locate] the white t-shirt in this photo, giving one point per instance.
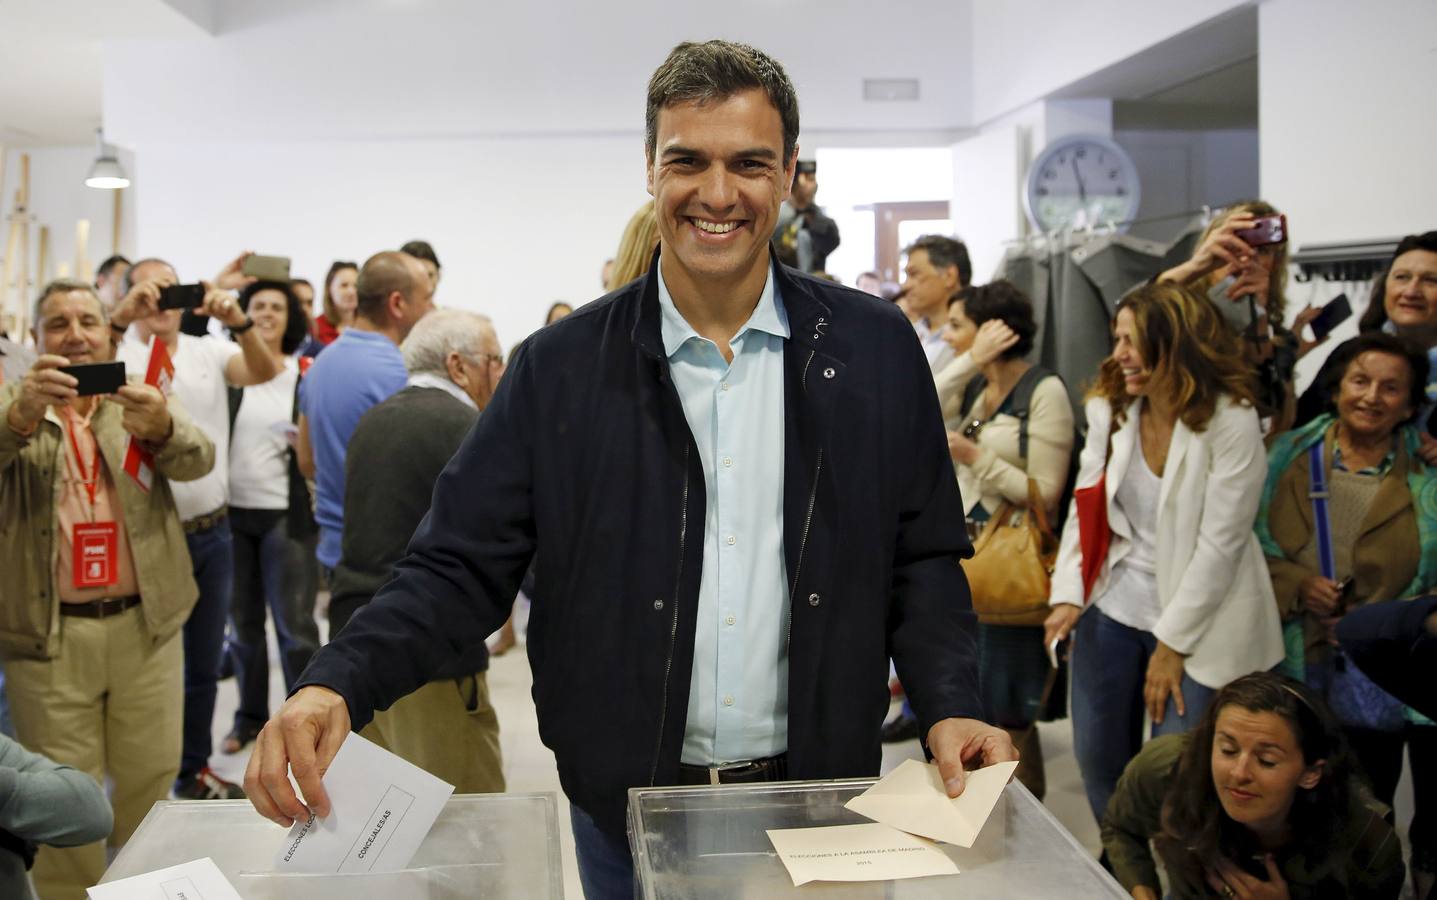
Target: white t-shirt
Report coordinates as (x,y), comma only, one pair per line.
(1132,594)
(259,457)
(200,385)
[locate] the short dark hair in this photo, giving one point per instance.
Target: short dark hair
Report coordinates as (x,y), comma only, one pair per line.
(1376,314)
(716,70)
(1392,345)
(1001,300)
(109,264)
(294,282)
(296,326)
(943,252)
(383,274)
(422,250)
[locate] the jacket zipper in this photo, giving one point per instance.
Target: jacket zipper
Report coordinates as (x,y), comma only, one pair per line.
(674,630)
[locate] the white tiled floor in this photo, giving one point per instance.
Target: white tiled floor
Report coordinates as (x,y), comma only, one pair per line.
(529,766)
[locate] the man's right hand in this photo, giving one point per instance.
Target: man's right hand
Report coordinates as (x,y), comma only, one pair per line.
(44,385)
(303,737)
(142,302)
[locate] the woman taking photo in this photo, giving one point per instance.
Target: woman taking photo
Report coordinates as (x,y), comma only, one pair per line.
(274,532)
(1018,425)
(341,297)
(1258,801)
(1372,539)
(1180,603)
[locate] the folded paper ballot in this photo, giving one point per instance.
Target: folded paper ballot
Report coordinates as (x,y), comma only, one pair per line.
(872,852)
(200,879)
(912,798)
(381,809)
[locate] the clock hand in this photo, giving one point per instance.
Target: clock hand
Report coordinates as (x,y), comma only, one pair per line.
(1082,192)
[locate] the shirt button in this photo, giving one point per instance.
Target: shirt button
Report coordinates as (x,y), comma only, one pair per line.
(723,386)
(658,604)
(728,462)
(728,701)
(732,540)
(730,620)
(814,599)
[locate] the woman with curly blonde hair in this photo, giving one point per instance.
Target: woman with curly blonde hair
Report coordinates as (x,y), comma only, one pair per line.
(1230,271)
(1159,574)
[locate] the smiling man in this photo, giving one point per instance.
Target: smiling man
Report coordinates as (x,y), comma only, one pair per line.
(96,580)
(737,521)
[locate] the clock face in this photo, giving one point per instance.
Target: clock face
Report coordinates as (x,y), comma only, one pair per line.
(1081,181)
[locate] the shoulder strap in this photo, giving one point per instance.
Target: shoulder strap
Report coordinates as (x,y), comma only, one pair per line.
(1322,526)
(236,397)
(971,392)
(1018,402)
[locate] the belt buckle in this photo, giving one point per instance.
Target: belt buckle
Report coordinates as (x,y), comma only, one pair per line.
(714,775)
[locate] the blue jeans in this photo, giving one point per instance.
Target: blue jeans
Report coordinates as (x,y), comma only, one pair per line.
(274,572)
(212,554)
(1109,665)
(606,870)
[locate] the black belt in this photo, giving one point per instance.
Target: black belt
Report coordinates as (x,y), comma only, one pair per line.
(100,609)
(774,768)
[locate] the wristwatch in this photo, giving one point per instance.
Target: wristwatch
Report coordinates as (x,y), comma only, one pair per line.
(241,329)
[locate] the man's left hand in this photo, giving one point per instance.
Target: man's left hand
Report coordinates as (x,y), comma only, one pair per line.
(957,742)
(223,306)
(147,415)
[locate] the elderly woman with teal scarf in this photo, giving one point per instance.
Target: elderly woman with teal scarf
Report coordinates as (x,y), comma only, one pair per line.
(1349,517)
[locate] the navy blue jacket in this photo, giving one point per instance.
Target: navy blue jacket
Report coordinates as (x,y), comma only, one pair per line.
(585,455)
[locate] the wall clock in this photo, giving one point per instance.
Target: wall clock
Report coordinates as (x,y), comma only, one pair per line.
(1080,181)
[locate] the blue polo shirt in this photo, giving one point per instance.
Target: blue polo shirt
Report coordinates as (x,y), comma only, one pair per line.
(357,371)
(738,693)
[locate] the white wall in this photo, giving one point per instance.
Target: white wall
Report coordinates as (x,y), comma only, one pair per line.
(58,200)
(517,223)
(1185,170)
(1347,125)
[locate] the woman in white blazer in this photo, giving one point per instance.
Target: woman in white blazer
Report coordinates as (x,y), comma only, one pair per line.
(1182,604)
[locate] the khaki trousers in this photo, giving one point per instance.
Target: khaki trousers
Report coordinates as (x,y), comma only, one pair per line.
(109,705)
(449,729)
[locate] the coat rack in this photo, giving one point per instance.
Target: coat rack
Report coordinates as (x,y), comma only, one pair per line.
(1343,260)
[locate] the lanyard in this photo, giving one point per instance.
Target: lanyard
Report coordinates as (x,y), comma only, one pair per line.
(89,478)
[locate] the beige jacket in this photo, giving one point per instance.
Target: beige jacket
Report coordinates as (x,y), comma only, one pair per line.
(999,475)
(29,491)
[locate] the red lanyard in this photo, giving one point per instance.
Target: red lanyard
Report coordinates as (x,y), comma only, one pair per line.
(91,478)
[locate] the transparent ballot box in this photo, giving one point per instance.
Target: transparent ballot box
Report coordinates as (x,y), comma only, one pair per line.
(483,845)
(709,843)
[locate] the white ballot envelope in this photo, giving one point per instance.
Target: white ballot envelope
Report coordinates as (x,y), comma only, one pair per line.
(912,798)
(872,852)
(381,809)
(200,879)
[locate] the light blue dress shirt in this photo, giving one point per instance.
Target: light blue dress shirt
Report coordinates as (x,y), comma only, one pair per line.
(738,695)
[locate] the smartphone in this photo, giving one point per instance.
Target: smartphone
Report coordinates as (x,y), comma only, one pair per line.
(1267,230)
(1240,313)
(1337,311)
(97,378)
(266,268)
(182,296)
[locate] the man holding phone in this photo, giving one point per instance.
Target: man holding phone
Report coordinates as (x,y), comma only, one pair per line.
(204,366)
(95,584)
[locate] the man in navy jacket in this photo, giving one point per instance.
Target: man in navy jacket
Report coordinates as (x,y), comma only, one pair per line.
(597,453)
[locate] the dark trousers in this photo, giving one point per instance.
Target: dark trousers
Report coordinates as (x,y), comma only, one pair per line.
(606,868)
(1380,755)
(212,554)
(274,572)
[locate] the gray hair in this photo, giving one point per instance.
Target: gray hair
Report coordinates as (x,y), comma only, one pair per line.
(65,286)
(441,333)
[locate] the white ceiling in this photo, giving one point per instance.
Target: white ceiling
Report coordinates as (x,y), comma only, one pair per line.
(50,61)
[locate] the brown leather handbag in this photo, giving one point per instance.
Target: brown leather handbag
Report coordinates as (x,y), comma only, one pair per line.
(1012,565)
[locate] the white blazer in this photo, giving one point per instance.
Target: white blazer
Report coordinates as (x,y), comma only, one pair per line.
(1216,595)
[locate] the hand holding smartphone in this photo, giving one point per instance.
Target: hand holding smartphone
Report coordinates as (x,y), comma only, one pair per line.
(1337,311)
(96,378)
(182,296)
